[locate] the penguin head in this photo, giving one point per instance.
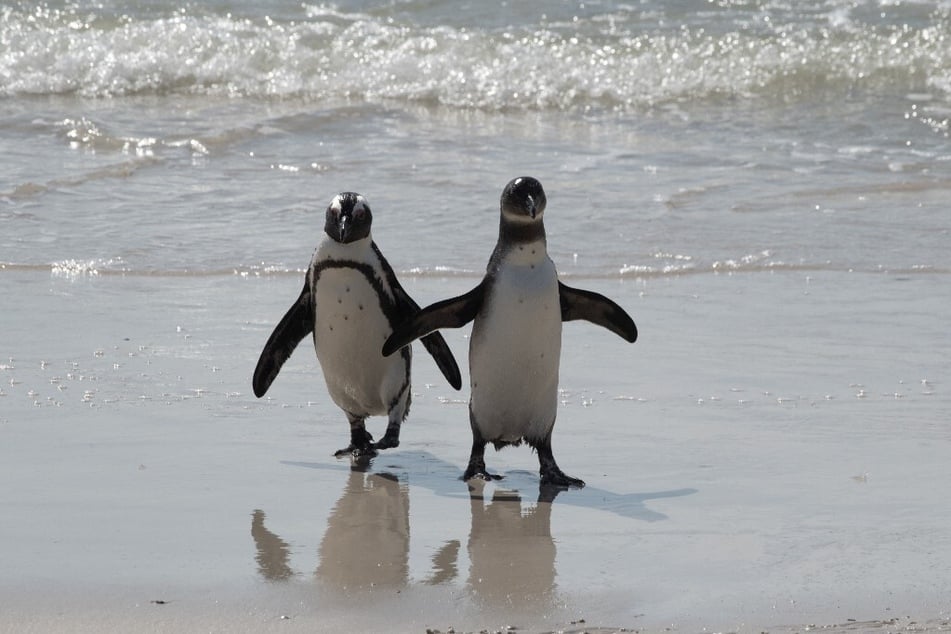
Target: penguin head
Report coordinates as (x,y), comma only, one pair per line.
(348,218)
(523,200)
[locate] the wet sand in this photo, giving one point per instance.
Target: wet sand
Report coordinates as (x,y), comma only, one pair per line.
(772,454)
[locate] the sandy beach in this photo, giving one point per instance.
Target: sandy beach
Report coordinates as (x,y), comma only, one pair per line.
(752,464)
(762,185)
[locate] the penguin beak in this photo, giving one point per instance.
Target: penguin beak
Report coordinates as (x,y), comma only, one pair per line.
(344,227)
(530,203)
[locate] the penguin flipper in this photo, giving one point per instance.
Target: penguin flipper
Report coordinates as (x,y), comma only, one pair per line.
(296,324)
(439,349)
(449,313)
(598,309)
(434,343)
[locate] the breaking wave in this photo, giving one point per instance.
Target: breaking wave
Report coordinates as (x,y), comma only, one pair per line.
(619,58)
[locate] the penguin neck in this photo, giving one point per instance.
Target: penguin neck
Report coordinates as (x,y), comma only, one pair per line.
(514,233)
(520,244)
(358,250)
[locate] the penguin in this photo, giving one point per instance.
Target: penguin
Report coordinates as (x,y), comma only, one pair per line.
(515,346)
(350,303)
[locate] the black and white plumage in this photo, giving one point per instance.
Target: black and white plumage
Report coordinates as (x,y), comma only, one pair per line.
(515,348)
(351,302)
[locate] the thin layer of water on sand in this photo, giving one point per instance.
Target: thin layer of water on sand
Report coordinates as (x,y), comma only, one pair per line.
(745,461)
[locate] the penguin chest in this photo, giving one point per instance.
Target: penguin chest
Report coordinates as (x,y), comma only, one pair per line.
(350,326)
(514,354)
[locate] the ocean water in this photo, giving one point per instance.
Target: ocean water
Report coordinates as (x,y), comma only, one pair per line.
(764,185)
(672,137)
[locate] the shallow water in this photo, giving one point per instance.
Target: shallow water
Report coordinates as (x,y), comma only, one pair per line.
(764,187)
(747,136)
(765,455)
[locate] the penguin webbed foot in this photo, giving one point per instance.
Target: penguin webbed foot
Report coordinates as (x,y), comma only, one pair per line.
(361,444)
(555,477)
(551,474)
(367,451)
(387,442)
(476,468)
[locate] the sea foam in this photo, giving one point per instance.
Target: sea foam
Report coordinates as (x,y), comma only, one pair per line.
(611,60)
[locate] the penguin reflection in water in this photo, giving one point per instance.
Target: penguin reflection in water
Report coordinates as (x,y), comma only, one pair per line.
(373,509)
(351,302)
(515,347)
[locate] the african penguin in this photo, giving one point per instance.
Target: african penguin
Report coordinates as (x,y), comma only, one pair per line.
(351,302)
(515,347)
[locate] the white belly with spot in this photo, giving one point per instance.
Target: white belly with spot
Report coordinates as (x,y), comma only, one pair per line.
(349,331)
(515,351)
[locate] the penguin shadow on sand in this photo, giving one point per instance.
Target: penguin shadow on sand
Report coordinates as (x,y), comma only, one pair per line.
(423,469)
(511,553)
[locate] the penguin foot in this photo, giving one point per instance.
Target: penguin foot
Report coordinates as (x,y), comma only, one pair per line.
(387,442)
(366,451)
(556,477)
(361,444)
(480,472)
(551,475)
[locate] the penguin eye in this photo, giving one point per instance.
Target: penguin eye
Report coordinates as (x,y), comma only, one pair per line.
(358,213)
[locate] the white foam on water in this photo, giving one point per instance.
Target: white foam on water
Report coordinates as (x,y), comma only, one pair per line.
(607,60)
